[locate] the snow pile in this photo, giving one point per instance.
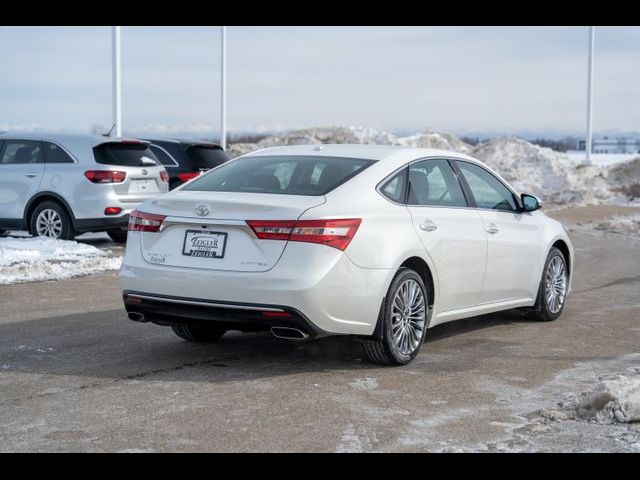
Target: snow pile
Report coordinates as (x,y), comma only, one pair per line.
(40,258)
(625,178)
(624,224)
(616,398)
(443,141)
(353,135)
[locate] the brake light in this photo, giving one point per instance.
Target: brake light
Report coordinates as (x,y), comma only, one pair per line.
(145,222)
(185,177)
(164,175)
(333,233)
(105,176)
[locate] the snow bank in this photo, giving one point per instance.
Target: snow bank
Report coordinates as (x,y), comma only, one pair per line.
(624,224)
(37,259)
(558,178)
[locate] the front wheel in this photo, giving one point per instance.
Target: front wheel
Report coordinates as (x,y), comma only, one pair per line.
(118,235)
(552,291)
(192,333)
(404,318)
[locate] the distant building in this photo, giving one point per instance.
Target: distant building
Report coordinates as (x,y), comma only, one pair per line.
(612,145)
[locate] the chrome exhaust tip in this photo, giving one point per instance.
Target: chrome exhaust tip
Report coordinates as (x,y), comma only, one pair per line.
(288,333)
(136,317)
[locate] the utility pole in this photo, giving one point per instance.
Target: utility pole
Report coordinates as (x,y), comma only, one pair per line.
(589,142)
(116,81)
(223,87)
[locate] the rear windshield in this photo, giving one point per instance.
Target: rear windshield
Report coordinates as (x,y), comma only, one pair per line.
(290,175)
(125,154)
(205,158)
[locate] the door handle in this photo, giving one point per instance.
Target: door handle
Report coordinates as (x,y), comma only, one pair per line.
(428,226)
(492,229)
(31,175)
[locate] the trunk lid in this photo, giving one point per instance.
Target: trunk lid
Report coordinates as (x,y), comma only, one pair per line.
(220,221)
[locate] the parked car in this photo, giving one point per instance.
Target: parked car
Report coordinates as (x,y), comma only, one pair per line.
(186,159)
(63,185)
(378,242)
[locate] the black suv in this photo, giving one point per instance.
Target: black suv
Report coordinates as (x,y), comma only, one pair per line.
(186,159)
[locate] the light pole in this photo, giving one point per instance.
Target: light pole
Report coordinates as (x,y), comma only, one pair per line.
(589,142)
(223,87)
(116,81)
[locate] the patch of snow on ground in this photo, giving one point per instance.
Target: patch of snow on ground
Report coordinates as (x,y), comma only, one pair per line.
(624,224)
(37,259)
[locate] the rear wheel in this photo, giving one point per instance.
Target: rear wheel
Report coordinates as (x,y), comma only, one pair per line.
(118,235)
(404,318)
(552,291)
(197,334)
(50,219)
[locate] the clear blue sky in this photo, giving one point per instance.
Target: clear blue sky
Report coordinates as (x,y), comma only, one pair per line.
(506,79)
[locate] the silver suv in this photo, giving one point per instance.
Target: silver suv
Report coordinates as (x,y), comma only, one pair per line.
(63,185)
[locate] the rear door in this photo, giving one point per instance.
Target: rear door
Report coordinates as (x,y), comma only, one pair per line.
(514,238)
(451,233)
(21,171)
(143,170)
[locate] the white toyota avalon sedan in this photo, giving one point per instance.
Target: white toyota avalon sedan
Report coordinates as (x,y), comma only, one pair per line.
(378,242)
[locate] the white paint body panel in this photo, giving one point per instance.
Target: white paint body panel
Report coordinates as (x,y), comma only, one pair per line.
(341,292)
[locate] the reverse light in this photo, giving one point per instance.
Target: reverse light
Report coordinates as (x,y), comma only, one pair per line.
(333,233)
(185,177)
(145,222)
(164,175)
(105,176)
(112,210)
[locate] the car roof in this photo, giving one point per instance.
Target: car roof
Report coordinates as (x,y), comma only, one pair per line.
(185,141)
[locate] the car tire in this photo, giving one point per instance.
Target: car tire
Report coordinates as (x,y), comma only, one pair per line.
(401,337)
(50,219)
(554,275)
(192,333)
(118,235)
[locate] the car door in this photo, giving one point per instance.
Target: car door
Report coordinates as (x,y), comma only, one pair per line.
(514,237)
(21,171)
(451,233)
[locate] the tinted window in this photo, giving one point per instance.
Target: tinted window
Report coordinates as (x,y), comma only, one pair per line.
(292,175)
(204,158)
(432,182)
(21,152)
(487,190)
(55,154)
(163,156)
(395,188)
(124,154)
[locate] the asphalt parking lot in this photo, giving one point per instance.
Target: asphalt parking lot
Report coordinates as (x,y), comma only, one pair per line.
(76,374)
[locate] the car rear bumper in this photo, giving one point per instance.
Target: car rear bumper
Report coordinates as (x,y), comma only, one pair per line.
(318,284)
(100,224)
(165,310)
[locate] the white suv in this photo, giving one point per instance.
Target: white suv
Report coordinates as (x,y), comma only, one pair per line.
(374,241)
(62,185)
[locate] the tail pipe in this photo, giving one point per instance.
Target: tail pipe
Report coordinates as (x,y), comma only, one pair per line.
(289,333)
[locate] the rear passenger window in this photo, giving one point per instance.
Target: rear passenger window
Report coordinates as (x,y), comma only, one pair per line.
(432,182)
(55,154)
(395,188)
(17,152)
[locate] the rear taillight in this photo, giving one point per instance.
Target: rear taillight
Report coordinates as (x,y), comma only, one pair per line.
(164,175)
(105,176)
(333,233)
(145,222)
(185,177)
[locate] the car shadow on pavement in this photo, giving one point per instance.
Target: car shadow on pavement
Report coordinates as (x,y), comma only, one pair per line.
(107,345)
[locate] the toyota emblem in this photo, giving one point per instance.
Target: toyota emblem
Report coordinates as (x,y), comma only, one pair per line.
(202,209)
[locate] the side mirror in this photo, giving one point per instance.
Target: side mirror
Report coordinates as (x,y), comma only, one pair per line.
(530,203)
